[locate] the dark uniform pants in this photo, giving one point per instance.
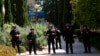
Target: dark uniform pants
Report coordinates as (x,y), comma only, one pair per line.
(16,44)
(69,46)
(32,45)
(87,46)
(51,41)
(58,40)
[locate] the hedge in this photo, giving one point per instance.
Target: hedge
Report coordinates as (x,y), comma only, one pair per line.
(7,51)
(40,30)
(95,38)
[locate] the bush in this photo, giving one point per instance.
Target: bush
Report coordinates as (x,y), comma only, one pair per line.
(95,38)
(41,38)
(78,33)
(7,51)
(40,30)
(4,38)
(22,49)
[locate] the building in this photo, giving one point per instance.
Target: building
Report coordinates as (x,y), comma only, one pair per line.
(31,4)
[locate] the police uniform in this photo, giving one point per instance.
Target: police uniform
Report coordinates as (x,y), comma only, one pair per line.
(32,42)
(86,40)
(15,39)
(58,39)
(68,37)
(51,36)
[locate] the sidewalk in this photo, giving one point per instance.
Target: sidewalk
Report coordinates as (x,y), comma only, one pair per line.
(78,51)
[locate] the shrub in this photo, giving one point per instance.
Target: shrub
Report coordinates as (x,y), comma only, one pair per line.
(4,38)
(95,38)
(40,30)
(41,38)
(22,49)
(7,51)
(78,33)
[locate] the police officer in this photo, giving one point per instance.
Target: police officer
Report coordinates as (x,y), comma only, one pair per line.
(86,38)
(51,35)
(15,34)
(68,37)
(58,39)
(32,41)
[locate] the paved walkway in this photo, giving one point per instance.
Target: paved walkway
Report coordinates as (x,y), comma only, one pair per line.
(78,51)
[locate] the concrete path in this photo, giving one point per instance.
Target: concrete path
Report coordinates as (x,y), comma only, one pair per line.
(77,46)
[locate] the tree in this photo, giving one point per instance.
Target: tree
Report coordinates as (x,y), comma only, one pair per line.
(88,12)
(1,14)
(49,8)
(59,12)
(13,10)
(21,12)
(8,15)
(66,12)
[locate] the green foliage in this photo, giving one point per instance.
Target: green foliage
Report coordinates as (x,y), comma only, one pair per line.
(8,14)
(58,12)
(4,38)
(1,19)
(1,16)
(7,51)
(4,35)
(16,12)
(41,38)
(87,12)
(39,30)
(13,9)
(21,12)
(22,49)
(94,38)
(67,11)
(49,7)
